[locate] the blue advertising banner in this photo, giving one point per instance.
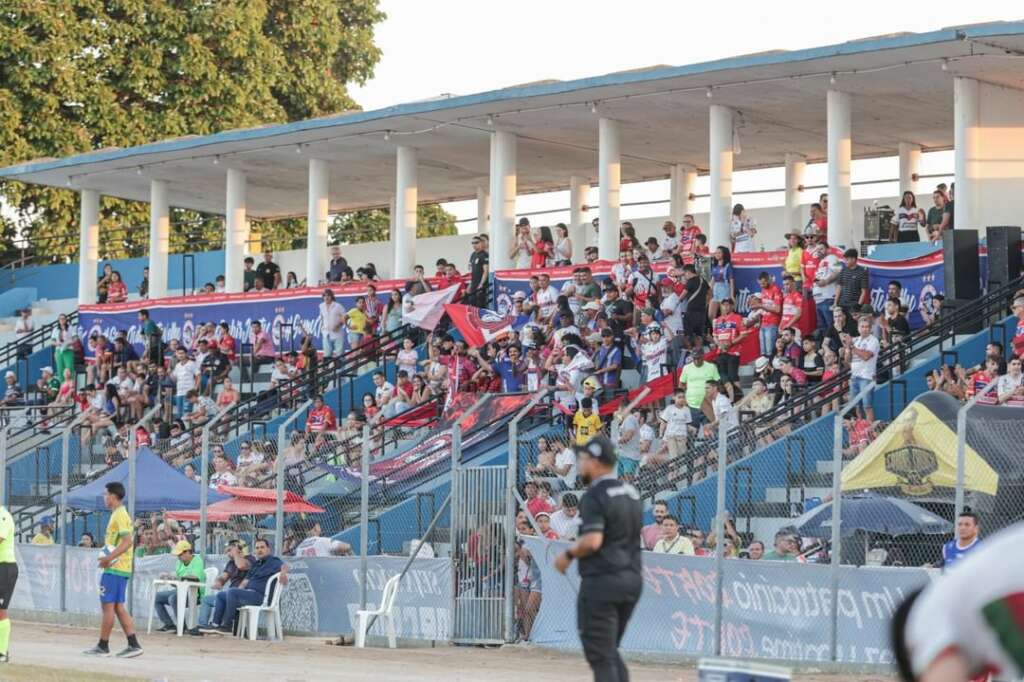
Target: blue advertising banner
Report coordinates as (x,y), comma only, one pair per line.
(772,610)
(921,279)
(322,595)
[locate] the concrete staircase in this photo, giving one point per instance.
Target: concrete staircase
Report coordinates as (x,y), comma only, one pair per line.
(781,505)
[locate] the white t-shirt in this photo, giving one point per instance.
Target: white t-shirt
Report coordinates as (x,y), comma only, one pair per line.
(567,527)
(828,266)
(963,609)
(567,456)
(318,546)
(332,318)
(547,301)
(905,219)
(676,420)
(407,360)
(630,449)
(740,232)
(723,410)
(864,369)
(184,377)
(569,291)
(668,244)
(1008,383)
(522,257)
(384,392)
(655,354)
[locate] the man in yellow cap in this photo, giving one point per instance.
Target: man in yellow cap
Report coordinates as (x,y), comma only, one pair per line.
(189,567)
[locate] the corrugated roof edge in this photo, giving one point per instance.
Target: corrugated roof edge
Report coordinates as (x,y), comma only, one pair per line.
(620,78)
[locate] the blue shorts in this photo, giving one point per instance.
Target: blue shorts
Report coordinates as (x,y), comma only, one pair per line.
(113,588)
(628,467)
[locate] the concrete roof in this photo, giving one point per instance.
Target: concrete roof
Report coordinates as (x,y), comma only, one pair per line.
(901,85)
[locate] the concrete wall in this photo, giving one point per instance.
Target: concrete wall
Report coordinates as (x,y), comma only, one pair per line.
(1000,164)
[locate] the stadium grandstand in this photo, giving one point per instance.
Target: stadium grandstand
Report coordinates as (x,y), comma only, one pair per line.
(420,397)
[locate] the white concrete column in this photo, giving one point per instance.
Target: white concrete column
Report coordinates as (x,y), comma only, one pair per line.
(720,191)
(503,198)
(840,150)
(796,164)
(682,180)
(609,181)
(406,202)
(88,246)
(392,215)
(159,237)
(236,232)
(966,153)
(316,221)
(910,166)
(483,209)
(579,219)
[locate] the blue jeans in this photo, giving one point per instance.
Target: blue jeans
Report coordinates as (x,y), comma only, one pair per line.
(206,608)
(166,600)
(181,406)
(767,334)
(333,347)
(825,319)
(224,613)
(858,384)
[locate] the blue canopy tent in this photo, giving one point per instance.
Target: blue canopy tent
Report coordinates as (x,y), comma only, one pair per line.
(158,487)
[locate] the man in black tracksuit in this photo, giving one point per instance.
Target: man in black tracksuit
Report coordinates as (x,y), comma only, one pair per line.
(609,554)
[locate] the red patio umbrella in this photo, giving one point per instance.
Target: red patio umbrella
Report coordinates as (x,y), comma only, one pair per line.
(247,502)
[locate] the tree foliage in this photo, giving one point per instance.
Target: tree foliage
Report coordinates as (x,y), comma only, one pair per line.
(81,75)
(375,225)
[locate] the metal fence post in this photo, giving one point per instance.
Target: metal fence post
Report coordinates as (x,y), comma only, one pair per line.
(723,463)
(836,547)
(204,482)
(364,515)
(133,448)
(511,483)
(3,465)
(961,446)
(282,443)
(62,526)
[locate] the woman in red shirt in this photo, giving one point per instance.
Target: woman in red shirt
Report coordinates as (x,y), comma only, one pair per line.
(542,253)
(117,292)
(226,342)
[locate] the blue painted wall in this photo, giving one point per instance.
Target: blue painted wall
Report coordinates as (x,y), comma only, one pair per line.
(61,281)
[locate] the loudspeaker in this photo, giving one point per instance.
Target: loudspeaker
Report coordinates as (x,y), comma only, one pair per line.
(1004,259)
(961,264)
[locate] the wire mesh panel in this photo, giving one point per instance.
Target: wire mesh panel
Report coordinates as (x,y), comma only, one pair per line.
(480,555)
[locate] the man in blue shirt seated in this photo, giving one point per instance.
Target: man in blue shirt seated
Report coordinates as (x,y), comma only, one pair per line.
(968,536)
(235,571)
(250,590)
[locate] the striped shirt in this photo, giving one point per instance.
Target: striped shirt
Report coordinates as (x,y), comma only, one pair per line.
(852,283)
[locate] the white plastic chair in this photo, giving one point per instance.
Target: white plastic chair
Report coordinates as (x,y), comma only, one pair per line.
(249,616)
(387,603)
(192,605)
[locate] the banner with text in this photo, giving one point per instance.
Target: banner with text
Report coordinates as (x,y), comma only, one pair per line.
(322,596)
(772,610)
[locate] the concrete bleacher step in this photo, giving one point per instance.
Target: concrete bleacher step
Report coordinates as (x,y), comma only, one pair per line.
(767,509)
(779,494)
(810,479)
(824,466)
(764,528)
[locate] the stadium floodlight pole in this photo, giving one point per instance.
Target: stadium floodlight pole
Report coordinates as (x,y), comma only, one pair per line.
(364,514)
(511,483)
(62,530)
(723,463)
(282,443)
(961,447)
(836,546)
(204,481)
(133,448)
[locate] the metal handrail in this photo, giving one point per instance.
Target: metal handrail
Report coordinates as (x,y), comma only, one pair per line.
(37,338)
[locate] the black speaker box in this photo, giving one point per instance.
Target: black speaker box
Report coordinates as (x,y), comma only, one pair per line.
(1004,258)
(961,265)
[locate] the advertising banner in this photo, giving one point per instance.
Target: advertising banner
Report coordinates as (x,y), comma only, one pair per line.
(322,595)
(771,609)
(920,277)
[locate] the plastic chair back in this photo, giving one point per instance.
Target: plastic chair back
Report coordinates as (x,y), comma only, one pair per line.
(387,597)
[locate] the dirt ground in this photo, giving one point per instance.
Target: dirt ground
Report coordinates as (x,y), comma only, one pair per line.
(50,652)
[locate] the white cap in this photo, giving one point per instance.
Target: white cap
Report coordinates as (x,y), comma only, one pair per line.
(10,374)
(518,296)
(46,370)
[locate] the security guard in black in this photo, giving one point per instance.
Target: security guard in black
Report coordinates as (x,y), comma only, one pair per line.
(609,554)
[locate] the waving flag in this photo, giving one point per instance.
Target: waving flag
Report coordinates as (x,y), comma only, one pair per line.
(479,326)
(426,310)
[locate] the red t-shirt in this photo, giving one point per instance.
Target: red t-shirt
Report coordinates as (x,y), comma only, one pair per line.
(539,255)
(321,419)
(809,265)
(860,433)
(537,505)
(227,347)
(822,223)
(117,292)
(688,243)
(1018,339)
(792,304)
(728,328)
(979,380)
(772,294)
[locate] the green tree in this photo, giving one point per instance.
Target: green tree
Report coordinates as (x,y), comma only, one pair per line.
(374,225)
(80,75)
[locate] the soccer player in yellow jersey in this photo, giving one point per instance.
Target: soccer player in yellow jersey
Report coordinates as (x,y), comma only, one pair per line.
(586,422)
(8,577)
(117,569)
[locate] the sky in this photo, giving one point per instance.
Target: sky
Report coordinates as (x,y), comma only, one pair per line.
(466,46)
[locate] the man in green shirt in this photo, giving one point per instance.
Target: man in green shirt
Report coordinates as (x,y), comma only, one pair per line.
(151,333)
(8,577)
(150,546)
(787,548)
(189,567)
(694,380)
